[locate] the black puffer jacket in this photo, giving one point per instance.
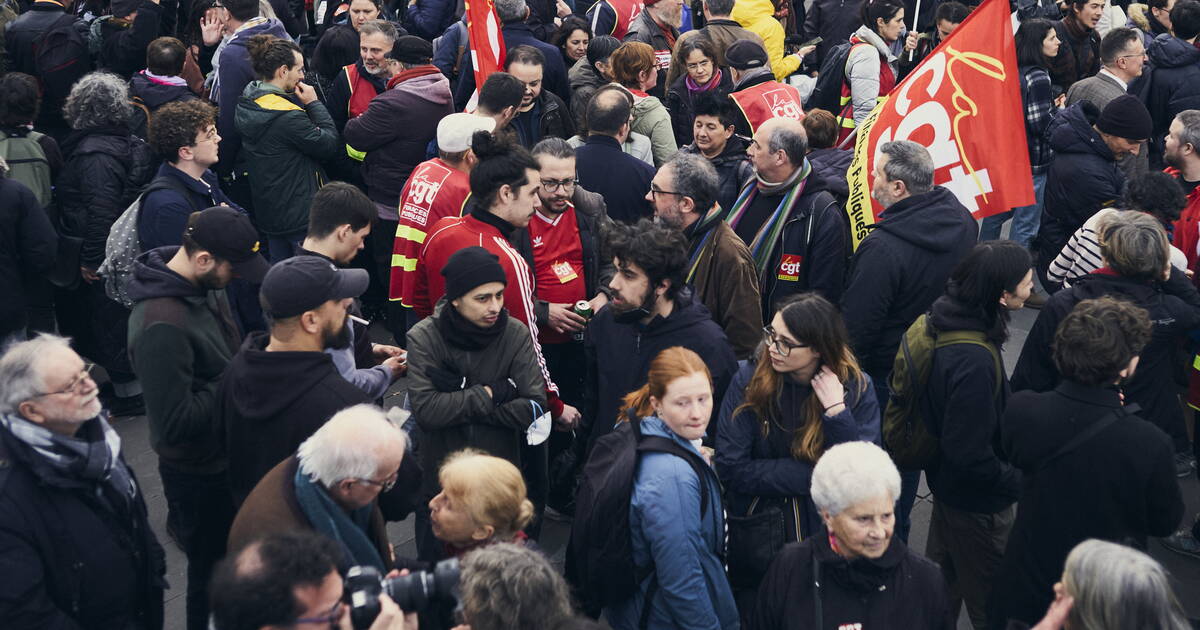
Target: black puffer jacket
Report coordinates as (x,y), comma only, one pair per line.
(70,559)
(900,589)
(733,169)
(123,45)
(1174,308)
(27,246)
(1174,82)
(681,104)
(833,164)
(900,269)
(1083,178)
(105,171)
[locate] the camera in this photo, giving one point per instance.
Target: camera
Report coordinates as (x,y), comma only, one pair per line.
(415,592)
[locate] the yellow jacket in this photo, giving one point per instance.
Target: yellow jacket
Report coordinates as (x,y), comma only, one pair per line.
(759,16)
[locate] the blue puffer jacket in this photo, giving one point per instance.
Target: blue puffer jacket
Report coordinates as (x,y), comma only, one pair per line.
(686,552)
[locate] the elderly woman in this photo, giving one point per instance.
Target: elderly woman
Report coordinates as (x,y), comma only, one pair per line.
(698,57)
(633,67)
(1106,586)
(857,576)
(482,501)
(512,587)
(105,170)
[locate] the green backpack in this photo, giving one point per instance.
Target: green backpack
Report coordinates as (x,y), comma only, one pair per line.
(906,434)
(27,164)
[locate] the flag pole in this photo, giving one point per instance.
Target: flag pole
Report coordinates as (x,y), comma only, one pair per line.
(916,16)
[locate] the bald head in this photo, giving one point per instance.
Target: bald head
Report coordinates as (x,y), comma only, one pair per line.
(778,148)
(608,111)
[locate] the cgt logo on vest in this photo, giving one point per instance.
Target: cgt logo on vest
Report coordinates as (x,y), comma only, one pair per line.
(789,267)
(782,104)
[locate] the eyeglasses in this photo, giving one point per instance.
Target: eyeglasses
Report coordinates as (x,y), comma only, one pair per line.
(332,617)
(385,485)
(551,185)
(656,191)
(698,65)
(1142,54)
(73,386)
(781,345)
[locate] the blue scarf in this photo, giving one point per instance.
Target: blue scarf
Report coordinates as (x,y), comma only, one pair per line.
(328,518)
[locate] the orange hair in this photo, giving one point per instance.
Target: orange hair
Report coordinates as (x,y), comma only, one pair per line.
(670,364)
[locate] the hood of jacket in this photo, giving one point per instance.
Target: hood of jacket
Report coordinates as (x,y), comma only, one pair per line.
(929,221)
(871,37)
(1168,51)
(735,151)
(1096,285)
(1071,132)
(832,164)
(688,312)
(584,74)
(113,141)
(155,94)
(653,425)
(265,384)
(753,77)
(152,278)
(432,87)
(258,26)
(260,105)
(747,12)
(644,105)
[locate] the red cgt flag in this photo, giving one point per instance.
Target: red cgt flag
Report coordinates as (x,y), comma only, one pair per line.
(487,45)
(963,103)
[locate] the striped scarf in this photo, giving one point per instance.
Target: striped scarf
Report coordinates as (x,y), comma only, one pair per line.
(93,454)
(763,244)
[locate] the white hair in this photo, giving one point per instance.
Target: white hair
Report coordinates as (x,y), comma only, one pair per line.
(1117,587)
(21,375)
(350,445)
(853,472)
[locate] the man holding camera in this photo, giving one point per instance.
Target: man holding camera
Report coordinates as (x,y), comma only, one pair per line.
(291,580)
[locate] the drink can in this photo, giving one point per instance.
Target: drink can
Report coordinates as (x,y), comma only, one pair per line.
(583,308)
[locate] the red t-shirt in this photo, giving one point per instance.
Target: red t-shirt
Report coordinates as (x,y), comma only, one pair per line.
(433,191)
(558,264)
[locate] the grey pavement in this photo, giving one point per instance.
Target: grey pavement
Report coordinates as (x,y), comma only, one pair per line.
(1185,571)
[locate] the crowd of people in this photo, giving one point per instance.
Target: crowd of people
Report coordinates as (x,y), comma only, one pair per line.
(346,280)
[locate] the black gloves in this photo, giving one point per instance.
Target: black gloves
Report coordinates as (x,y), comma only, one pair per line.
(446,379)
(503,391)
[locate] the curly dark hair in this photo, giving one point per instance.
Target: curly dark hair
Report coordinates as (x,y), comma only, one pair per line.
(268,53)
(1097,339)
(175,125)
(255,587)
(1156,194)
(19,99)
(658,250)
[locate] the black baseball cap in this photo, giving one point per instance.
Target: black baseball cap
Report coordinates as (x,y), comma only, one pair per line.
(303,283)
(229,235)
(745,55)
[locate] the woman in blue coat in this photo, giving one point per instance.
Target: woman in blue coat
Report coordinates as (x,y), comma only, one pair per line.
(803,394)
(683,540)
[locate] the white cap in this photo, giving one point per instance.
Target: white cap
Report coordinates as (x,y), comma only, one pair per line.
(454,131)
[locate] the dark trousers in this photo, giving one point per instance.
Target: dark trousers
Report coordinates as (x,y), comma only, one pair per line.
(98,328)
(909,479)
(202,509)
(383,238)
(568,367)
(969,547)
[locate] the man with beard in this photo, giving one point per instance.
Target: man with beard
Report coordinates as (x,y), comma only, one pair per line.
(339,222)
(720,267)
(361,81)
(1182,155)
(650,309)
(181,338)
(282,386)
(78,548)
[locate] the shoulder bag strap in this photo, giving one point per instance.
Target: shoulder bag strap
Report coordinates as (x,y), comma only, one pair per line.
(817,606)
(1088,434)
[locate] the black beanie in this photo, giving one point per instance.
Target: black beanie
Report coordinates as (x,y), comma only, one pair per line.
(122,8)
(469,268)
(1126,117)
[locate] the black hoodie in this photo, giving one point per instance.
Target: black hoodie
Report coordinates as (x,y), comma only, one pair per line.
(270,402)
(153,95)
(181,338)
(900,269)
(619,355)
(1174,308)
(1174,82)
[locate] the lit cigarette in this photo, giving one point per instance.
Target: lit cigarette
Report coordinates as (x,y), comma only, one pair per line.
(359,320)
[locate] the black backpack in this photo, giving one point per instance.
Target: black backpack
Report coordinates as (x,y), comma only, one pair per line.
(827,91)
(61,57)
(599,561)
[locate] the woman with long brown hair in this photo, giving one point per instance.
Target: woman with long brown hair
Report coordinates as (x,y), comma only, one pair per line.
(802,394)
(671,530)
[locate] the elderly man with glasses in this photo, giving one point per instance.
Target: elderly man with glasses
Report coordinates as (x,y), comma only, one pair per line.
(331,486)
(77,547)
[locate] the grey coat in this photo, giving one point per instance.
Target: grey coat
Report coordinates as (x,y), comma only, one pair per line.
(452,421)
(1100,89)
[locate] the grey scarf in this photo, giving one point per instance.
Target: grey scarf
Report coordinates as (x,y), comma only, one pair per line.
(92,454)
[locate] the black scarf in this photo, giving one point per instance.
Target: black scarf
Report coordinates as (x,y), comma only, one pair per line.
(462,334)
(861,575)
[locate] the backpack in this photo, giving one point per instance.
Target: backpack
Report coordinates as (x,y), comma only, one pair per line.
(827,91)
(123,245)
(61,57)
(27,164)
(139,120)
(599,558)
(907,436)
